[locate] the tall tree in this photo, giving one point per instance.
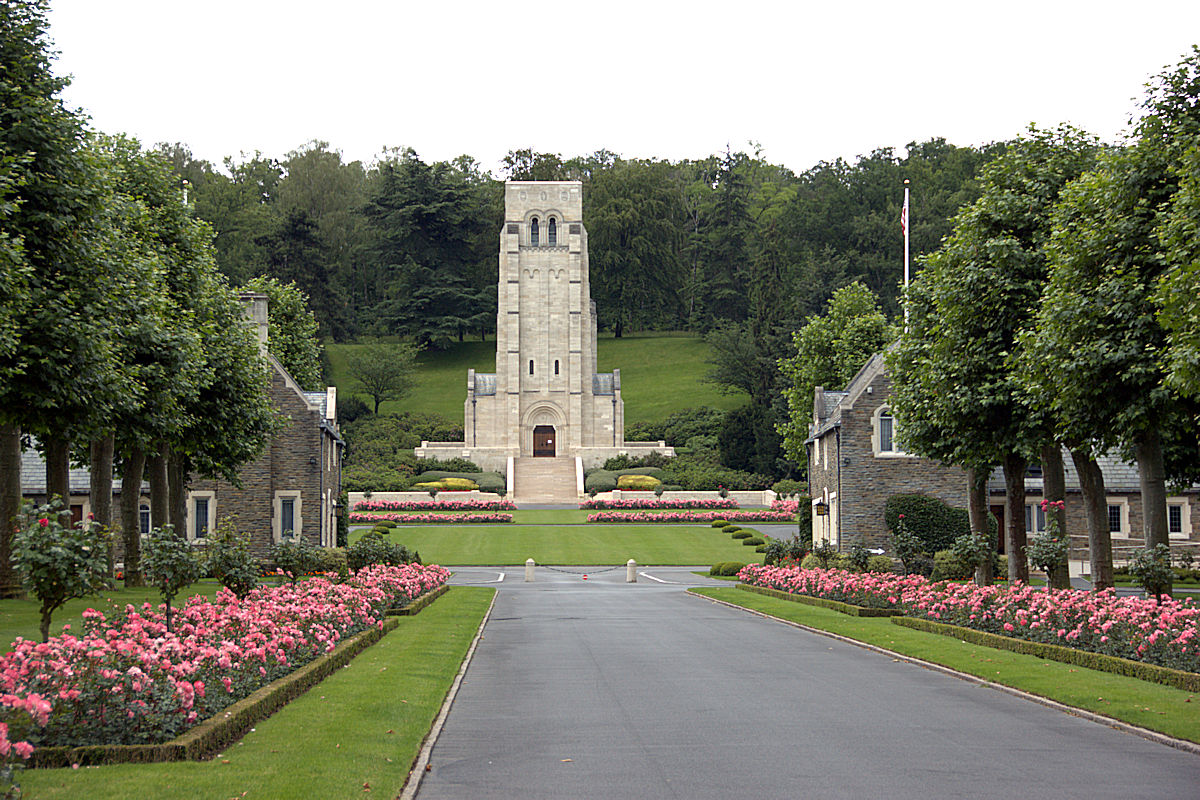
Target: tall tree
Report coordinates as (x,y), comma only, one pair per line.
(382,371)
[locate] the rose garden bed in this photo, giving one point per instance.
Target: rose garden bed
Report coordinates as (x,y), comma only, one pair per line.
(128,681)
(643,505)
(430,519)
(435,505)
(688,516)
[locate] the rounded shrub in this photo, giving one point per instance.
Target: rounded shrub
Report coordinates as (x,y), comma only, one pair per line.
(762,548)
(720,523)
(880,564)
(949,567)
(731,528)
(754,541)
(653,472)
(741,534)
(638,483)
(601,480)
(935,524)
(726,568)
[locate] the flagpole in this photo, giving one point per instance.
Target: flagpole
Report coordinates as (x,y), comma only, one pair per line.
(905,224)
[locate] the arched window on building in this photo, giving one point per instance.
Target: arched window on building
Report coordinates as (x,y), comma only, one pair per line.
(551,233)
(531,366)
(533,232)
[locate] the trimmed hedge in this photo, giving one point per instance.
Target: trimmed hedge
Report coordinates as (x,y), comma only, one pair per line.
(833,605)
(415,606)
(638,483)
(741,534)
(753,541)
(726,568)
(931,520)
(720,523)
(487,481)
(729,528)
(601,480)
(1187,681)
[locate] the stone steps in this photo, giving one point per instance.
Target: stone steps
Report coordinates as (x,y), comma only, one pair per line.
(544,480)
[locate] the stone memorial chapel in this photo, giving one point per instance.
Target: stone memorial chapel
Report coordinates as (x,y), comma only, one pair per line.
(546,399)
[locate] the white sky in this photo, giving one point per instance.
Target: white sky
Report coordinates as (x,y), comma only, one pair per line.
(808,81)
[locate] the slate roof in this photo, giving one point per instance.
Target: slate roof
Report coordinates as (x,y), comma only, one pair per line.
(33,476)
(1119,475)
(827,409)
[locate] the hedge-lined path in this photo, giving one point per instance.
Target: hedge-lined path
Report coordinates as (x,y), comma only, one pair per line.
(600,688)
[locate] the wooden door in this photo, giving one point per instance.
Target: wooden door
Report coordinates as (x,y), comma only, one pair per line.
(543,441)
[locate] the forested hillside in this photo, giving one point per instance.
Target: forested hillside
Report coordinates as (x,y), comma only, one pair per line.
(405,247)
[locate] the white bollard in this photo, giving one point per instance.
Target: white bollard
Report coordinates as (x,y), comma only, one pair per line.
(631,571)
(529,570)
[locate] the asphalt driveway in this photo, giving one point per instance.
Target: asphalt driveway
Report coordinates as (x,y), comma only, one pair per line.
(600,688)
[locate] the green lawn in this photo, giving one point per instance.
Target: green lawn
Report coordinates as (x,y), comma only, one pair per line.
(1160,708)
(660,373)
(461,545)
(361,727)
(22,617)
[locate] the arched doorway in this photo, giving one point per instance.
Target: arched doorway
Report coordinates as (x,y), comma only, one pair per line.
(543,441)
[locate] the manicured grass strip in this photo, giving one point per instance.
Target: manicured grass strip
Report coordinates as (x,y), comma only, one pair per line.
(1148,705)
(570,544)
(362,727)
(1187,681)
(21,617)
(422,602)
(834,605)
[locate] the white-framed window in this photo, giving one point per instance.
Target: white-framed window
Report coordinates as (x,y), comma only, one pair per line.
(1035,518)
(201,514)
(1179,518)
(1118,517)
(817,453)
(144,522)
(287,516)
(885,434)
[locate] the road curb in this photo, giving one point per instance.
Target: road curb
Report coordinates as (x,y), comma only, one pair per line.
(413,784)
(1092,716)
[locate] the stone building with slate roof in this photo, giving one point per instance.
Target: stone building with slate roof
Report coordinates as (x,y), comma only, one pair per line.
(857,461)
(294,484)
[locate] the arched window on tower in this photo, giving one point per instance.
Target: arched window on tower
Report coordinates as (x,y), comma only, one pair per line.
(533,232)
(551,233)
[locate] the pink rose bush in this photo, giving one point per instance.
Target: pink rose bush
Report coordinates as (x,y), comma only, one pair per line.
(688,516)
(127,680)
(435,505)
(1165,633)
(715,502)
(428,519)
(786,506)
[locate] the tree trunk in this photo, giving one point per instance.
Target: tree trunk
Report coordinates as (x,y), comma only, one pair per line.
(977,511)
(1147,446)
(156,469)
(101,488)
(1091,481)
(618,329)
(177,497)
(10,506)
(131,530)
(58,474)
(1014,517)
(1054,483)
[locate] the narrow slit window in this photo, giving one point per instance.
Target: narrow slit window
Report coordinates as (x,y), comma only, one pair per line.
(533,232)
(556,366)
(531,366)
(1114,519)
(287,516)
(200,529)
(551,232)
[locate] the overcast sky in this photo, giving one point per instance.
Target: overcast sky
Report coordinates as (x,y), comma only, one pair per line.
(806,81)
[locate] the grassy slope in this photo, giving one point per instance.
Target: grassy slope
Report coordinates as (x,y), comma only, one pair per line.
(570,544)
(660,373)
(361,726)
(1149,705)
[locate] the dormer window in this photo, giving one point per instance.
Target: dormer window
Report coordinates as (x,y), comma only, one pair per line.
(533,232)
(551,233)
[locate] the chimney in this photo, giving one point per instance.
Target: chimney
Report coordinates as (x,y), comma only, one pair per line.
(254,305)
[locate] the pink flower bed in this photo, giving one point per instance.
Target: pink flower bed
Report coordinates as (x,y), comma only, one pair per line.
(126,680)
(786,506)
(715,502)
(425,519)
(1137,628)
(435,505)
(688,516)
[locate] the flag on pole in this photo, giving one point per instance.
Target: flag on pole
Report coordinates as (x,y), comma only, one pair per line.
(904,228)
(904,215)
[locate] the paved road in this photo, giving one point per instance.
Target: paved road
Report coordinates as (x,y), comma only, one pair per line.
(605,689)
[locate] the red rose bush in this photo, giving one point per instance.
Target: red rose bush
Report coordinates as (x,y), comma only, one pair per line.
(431,519)
(435,505)
(635,505)
(688,516)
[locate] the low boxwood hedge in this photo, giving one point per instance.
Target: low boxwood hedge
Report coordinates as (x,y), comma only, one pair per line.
(731,528)
(753,541)
(726,568)
(720,523)
(741,534)
(834,605)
